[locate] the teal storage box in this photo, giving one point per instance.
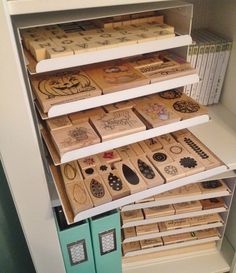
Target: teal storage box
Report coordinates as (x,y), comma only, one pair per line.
(106,240)
(76,245)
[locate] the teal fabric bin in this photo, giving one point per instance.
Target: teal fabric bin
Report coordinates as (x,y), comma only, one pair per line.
(76,245)
(106,240)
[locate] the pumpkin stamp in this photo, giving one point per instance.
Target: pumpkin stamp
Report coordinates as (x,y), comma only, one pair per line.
(74,137)
(97,190)
(63,87)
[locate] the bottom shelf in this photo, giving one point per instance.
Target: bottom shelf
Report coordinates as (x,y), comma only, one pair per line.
(204,258)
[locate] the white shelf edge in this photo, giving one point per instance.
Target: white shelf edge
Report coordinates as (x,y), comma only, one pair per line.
(175,200)
(149,192)
(125,140)
(70,107)
(111,53)
(172,246)
(172,232)
(174,217)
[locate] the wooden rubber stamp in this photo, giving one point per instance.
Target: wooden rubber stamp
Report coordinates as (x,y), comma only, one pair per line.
(70,172)
(171,171)
(137,149)
(74,137)
(148,243)
(82,116)
(89,161)
(166,139)
(129,232)
(176,150)
(178,238)
(205,219)
(115,184)
(130,175)
(158,211)
(153,144)
(147,171)
(126,152)
(97,190)
(109,157)
(213,186)
(58,123)
(78,196)
(132,215)
(89,172)
(123,105)
(190,164)
(213,203)
(207,233)
(187,207)
(174,224)
(147,229)
(130,247)
(159,157)
(103,168)
(117,124)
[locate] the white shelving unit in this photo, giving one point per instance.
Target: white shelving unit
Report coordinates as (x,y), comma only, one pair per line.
(19,141)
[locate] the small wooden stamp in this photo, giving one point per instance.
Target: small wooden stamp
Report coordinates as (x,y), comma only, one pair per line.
(123,105)
(78,196)
(126,152)
(147,229)
(74,137)
(89,172)
(159,211)
(148,243)
(130,175)
(132,215)
(181,133)
(207,233)
(190,164)
(153,144)
(159,157)
(146,170)
(109,157)
(117,124)
(58,123)
(187,207)
(166,139)
(129,232)
(171,171)
(174,224)
(103,168)
(178,238)
(58,51)
(70,172)
(176,150)
(115,76)
(213,203)
(137,149)
(115,184)
(89,161)
(205,219)
(97,190)
(82,116)
(144,147)
(130,247)
(213,186)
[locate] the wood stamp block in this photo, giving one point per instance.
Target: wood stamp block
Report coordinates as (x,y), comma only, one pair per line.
(159,211)
(129,232)
(160,157)
(89,161)
(39,48)
(190,165)
(206,233)
(126,152)
(63,87)
(187,207)
(114,76)
(58,123)
(181,133)
(148,243)
(174,224)
(148,173)
(132,215)
(117,124)
(178,238)
(147,229)
(70,172)
(97,190)
(153,144)
(123,105)
(103,168)
(85,115)
(74,137)
(144,147)
(176,150)
(109,157)
(84,46)
(115,185)
(213,203)
(213,186)
(205,219)
(143,61)
(166,139)
(89,172)
(78,196)
(58,51)
(130,247)
(156,114)
(195,147)
(171,171)
(130,175)
(137,149)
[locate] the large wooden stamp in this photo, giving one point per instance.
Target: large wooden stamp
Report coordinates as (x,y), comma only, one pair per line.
(148,243)
(132,215)
(213,203)
(159,211)
(187,207)
(147,229)
(130,247)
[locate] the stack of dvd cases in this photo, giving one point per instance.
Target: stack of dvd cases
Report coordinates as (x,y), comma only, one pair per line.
(209,54)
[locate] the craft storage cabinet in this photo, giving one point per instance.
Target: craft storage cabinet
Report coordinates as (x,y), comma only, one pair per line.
(21,144)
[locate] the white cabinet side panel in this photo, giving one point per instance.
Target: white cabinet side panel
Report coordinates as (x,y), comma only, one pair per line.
(21,159)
